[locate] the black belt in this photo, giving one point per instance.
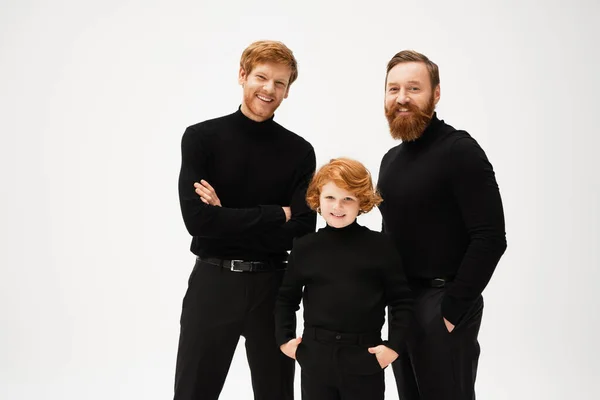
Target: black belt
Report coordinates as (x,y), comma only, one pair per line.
(325,335)
(431,282)
(246,266)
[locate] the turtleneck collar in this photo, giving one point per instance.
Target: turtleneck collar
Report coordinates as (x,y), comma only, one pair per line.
(250,124)
(348,228)
(429,134)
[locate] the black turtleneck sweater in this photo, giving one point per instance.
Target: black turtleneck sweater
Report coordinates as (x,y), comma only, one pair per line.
(349,275)
(255,168)
(442,206)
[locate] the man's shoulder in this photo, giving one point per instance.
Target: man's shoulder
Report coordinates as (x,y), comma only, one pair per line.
(391,153)
(293,137)
(460,146)
(209,124)
(452,134)
(204,132)
(461,142)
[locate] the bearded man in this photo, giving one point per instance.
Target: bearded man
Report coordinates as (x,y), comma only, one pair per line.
(443,208)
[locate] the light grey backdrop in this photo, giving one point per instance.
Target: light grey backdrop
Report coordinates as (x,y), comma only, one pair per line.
(94,98)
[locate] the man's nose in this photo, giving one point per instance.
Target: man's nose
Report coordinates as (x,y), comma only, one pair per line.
(269,87)
(402,97)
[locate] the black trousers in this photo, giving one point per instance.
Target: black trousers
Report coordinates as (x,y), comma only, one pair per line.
(436,364)
(220,306)
(337,366)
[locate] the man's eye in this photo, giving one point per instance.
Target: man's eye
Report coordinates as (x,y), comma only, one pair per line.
(392,89)
(414,88)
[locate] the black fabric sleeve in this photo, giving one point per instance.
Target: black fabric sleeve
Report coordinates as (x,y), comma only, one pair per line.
(303,220)
(399,300)
(203,220)
(380,190)
(478,198)
(288,302)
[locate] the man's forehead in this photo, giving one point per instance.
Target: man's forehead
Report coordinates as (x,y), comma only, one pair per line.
(408,82)
(274,68)
(415,72)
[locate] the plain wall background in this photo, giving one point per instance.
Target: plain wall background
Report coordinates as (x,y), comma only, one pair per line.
(94,98)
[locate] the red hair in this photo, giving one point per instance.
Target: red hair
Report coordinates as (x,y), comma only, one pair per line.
(349,175)
(264,51)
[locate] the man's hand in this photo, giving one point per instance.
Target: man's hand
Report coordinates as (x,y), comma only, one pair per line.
(289,348)
(449,325)
(385,355)
(207,193)
(288,213)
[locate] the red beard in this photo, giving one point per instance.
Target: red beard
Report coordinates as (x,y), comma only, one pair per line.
(409,127)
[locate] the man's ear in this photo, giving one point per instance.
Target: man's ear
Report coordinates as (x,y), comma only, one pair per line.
(436,94)
(242,76)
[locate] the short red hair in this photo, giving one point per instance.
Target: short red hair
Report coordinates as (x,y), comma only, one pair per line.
(349,175)
(265,51)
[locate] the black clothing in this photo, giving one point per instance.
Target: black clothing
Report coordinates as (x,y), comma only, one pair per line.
(345,277)
(255,169)
(218,307)
(443,208)
(443,363)
(334,370)
(349,275)
(246,266)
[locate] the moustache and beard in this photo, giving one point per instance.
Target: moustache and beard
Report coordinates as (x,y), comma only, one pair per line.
(410,127)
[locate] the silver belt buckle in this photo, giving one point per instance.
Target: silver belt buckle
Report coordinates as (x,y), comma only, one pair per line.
(232,266)
(438,282)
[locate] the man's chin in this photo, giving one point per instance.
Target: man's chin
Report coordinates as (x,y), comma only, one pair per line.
(408,129)
(404,136)
(406,133)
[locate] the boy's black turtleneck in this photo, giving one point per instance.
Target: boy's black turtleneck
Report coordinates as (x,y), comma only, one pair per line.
(256,168)
(345,230)
(348,275)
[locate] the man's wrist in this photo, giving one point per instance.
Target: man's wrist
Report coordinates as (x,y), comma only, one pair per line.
(454,309)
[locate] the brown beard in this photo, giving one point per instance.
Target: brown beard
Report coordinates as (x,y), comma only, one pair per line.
(409,127)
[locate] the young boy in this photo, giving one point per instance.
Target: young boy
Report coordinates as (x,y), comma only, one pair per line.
(345,274)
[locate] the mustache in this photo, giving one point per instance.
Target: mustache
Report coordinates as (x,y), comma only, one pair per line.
(391,112)
(409,127)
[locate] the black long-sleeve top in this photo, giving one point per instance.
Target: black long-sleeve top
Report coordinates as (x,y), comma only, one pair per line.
(442,206)
(256,168)
(345,278)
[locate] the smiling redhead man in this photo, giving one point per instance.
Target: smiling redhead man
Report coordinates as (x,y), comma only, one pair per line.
(242,187)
